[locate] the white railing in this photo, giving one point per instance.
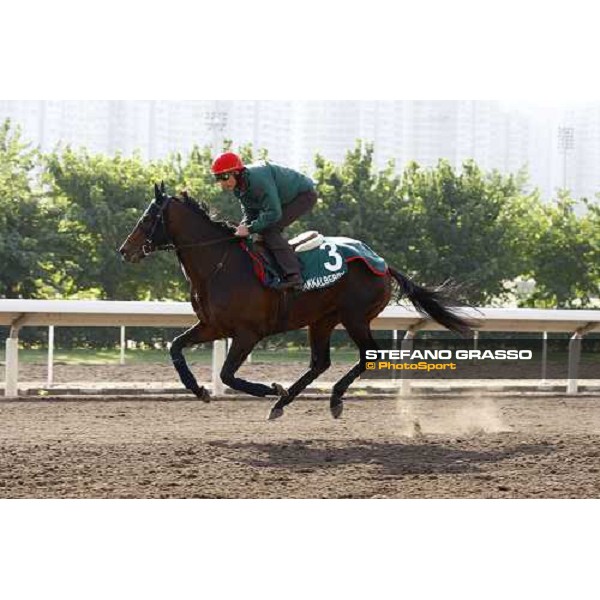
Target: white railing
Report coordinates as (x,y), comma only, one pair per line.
(97,313)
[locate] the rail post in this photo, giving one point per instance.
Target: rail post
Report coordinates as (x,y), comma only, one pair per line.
(218,360)
(11,388)
(123,344)
(50,378)
(544,380)
(407,344)
(575,355)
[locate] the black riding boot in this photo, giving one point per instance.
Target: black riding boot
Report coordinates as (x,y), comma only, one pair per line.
(286,258)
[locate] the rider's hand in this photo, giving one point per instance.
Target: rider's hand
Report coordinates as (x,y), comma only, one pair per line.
(242,231)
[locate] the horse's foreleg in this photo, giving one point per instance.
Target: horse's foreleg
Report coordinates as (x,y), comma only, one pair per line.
(197,334)
(361,335)
(241,346)
(320,336)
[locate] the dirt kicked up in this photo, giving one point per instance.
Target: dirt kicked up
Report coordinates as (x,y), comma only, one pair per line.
(461,447)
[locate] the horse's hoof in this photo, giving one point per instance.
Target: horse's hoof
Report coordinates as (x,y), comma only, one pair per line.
(275,413)
(202,394)
(337,410)
(279,390)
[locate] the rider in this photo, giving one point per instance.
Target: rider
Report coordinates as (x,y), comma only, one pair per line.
(271,197)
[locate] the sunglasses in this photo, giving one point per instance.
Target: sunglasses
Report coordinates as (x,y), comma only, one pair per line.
(223,176)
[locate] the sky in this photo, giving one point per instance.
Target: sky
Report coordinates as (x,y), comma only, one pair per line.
(334,49)
(548,106)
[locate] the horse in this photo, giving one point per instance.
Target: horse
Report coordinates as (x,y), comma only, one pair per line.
(231,302)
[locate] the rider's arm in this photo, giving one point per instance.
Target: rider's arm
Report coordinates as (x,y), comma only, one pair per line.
(270,208)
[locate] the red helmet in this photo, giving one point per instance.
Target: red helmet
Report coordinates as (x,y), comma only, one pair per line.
(227,162)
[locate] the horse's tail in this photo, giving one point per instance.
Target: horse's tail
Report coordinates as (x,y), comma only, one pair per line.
(436,303)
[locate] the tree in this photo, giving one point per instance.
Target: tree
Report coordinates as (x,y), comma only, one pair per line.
(101,198)
(356,200)
(63,216)
(469,227)
(433,223)
(565,259)
(26,220)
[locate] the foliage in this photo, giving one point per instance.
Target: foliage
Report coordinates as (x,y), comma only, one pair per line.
(27,224)
(356,201)
(468,226)
(433,223)
(565,259)
(101,198)
(64,214)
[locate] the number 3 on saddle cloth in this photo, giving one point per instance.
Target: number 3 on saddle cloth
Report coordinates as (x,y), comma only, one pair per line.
(324,260)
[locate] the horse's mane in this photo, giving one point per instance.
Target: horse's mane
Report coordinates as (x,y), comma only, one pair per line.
(204,210)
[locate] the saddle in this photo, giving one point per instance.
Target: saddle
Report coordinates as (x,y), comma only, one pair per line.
(309,240)
(324,260)
(270,273)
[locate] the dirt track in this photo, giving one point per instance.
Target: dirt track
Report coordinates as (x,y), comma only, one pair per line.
(163,375)
(479,447)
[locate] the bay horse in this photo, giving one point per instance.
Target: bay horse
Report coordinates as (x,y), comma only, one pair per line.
(231,302)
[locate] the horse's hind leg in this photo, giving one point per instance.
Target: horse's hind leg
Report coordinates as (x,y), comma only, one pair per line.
(361,335)
(320,336)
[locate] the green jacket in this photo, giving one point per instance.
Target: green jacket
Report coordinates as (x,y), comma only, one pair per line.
(265,189)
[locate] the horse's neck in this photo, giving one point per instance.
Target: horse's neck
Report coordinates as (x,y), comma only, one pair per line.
(201,247)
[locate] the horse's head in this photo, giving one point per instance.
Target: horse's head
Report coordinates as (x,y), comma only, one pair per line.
(150,233)
(173,222)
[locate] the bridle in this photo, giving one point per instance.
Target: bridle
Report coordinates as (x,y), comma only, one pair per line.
(157,211)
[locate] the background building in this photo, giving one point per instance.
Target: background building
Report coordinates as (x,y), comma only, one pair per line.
(502,136)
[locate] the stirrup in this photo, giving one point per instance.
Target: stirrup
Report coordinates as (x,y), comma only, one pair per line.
(295,283)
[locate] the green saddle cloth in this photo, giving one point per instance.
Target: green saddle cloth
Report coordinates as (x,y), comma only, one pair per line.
(323,266)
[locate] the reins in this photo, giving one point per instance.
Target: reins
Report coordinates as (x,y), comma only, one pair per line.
(149,246)
(171,247)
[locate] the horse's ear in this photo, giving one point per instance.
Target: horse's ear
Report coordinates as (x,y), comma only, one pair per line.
(157,193)
(162,187)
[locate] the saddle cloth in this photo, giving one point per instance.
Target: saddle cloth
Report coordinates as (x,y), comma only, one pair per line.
(324,260)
